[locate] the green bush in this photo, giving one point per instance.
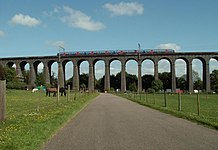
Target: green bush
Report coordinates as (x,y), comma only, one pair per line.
(150,90)
(16,85)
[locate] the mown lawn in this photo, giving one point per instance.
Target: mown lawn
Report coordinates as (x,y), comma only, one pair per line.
(208,106)
(32,118)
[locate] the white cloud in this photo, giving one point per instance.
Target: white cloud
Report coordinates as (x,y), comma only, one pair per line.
(40,67)
(125,8)
(147,67)
(53,12)
(78,19)
(115,67)
(169,46)
(213,65)
(2,33)
(163,66)
(25,20)
(181,68)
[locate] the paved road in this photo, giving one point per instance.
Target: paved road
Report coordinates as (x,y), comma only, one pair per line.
(112,123)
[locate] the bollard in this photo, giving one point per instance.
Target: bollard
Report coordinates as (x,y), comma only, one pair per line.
(2,100)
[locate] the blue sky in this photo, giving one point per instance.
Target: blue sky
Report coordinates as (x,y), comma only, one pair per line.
(34,28)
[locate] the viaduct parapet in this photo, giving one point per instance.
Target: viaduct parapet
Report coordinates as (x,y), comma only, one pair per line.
(188,57)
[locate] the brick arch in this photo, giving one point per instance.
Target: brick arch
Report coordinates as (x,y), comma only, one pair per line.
(148,58)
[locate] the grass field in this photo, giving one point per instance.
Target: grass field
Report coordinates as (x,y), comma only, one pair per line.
(32,118)
(208,106)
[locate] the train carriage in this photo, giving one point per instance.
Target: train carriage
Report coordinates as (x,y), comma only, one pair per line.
(117,52)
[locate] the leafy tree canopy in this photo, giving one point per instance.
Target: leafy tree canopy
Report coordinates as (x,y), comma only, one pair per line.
(214,80)
(157,85)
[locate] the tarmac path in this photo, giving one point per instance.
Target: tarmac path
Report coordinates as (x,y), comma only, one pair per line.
(113,123)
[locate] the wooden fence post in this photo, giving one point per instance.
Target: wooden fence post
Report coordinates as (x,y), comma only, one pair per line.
(198,103)
(58,96)
(68,93)
(179,102)
(146,97)
(2,100)
(154,98)
(75,95)
(165,99)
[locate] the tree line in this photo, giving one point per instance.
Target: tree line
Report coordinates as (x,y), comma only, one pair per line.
(148,82)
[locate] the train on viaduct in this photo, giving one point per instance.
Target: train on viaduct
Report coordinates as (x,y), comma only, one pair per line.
(108,56)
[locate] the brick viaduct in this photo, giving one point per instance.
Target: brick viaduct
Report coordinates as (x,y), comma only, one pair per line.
(188,57)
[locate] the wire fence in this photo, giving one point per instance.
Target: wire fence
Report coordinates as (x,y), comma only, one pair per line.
(199,107)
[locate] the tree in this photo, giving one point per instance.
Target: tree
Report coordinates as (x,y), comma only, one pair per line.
(198,85)
(83,79)
(83,86)
(195,76)
(132,87)
(166,79)
(10,74)
(99,84)
(147,81)
(113,82)
(40,80)
(70,82)
(131,82)
(214,80)
(118,81)
(157,85)
(182,83)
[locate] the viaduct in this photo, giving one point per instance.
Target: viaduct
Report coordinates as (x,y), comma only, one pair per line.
(188,57)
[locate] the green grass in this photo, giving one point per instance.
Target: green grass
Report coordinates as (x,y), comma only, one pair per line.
(32,118)
(208,106)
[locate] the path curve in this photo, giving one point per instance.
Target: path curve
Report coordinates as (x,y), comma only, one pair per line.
(113,123)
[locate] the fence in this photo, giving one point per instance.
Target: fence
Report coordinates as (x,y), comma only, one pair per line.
(201,107)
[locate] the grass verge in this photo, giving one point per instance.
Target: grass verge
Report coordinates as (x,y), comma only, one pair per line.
(208,106)
(32,118)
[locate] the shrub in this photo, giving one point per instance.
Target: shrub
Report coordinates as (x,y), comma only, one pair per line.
(150,90)
(16,85)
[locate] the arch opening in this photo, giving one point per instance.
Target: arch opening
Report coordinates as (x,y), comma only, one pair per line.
(83,75)
(181,75)
(115,75)
(147,74)
(165,74)
(99,73)
(131,75)
(68,73)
